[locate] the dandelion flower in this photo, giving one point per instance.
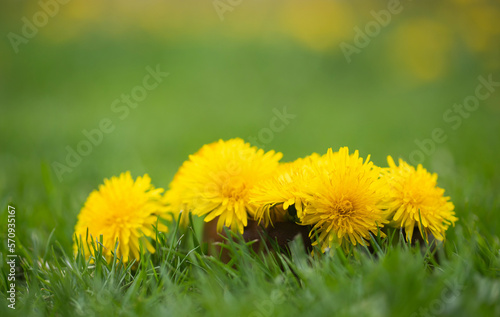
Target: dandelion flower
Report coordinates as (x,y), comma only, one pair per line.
(216,181)
(179,196)
(282,196)
(344,204)
(413,198)
(121,210)
(176,205)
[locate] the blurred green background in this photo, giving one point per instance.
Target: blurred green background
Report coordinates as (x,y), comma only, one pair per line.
(230,64)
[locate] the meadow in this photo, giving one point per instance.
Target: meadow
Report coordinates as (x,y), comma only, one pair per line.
(65,125)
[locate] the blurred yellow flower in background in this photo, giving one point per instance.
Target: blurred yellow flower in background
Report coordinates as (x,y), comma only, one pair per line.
(422,48)
(124,210)
(320,24)
(478,22)
(413,199)
(422,41)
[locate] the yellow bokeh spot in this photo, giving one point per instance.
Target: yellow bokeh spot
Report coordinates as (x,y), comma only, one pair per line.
(319,24)
(422,48)
(482,23)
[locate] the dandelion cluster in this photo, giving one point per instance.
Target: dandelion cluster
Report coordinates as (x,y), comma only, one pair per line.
(342,198)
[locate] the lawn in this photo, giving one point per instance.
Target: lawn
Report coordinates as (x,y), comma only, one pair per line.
(224,84)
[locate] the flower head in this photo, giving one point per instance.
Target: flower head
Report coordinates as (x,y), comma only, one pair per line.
(121,210)
(343,205)
(413,198)
(217,180)
(282,196)
(176,204)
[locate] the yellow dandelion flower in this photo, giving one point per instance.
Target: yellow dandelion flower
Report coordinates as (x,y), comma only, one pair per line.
(412,195)
(179,196)
(121,210)
(216,181)
(175,200)
(284,189)
(344,204)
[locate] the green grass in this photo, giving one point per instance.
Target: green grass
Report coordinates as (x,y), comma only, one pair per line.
(460,278)
(224,89)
